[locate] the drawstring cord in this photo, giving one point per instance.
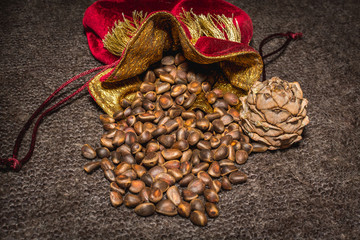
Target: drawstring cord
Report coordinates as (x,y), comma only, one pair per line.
(290,36)
(13,163)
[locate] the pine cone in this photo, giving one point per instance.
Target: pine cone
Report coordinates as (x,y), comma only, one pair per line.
(274,113)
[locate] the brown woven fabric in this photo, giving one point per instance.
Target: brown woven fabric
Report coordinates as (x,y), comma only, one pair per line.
(310,191)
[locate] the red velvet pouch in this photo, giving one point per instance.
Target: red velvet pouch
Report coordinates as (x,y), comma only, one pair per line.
(166,28)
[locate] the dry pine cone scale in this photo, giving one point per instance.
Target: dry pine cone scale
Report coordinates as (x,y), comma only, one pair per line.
(274,113)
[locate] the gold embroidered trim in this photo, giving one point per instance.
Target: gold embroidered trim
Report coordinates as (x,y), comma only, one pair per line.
(108,95)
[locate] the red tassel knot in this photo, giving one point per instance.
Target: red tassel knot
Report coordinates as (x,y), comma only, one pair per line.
(14,164)
(11,163)
(294,35)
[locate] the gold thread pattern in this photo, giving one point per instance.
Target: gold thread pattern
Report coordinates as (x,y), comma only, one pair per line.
(107,95)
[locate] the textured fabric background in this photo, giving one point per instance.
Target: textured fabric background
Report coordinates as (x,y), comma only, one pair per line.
(310,191)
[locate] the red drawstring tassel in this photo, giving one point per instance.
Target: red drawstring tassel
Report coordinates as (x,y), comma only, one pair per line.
(289,37)
(13,163)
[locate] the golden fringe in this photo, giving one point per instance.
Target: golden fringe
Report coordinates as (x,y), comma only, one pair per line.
(217,26)
(116,40)
(193,25)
